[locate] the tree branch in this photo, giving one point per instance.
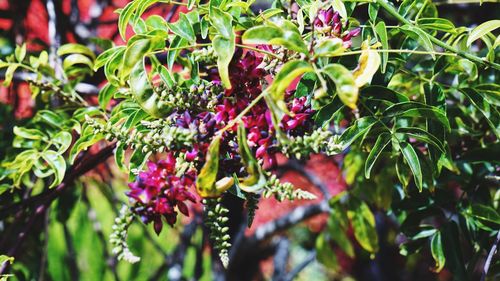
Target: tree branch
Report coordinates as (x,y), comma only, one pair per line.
(299,214)
(492,252)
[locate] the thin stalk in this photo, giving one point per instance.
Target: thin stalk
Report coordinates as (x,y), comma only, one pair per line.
(182,48)
(258,50)
(390,9)
(415,52)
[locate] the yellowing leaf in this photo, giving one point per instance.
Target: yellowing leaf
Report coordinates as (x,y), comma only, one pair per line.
(255,181)
(344,82)
(206,184)
(369,62)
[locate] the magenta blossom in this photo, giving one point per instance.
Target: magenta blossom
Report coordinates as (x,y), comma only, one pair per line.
(329,23)
(159,192)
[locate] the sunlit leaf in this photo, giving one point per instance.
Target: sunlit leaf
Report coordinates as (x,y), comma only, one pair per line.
(438,252)
(368,64)
(345,83)
(382,141)
(413,162)
(481,30)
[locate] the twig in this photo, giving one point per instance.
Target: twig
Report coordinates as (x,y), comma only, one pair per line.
(82,88)
(296,166)
(292,274)
(43,260)
(54,38)
(97,227)
(281,258)
(88,163)
(299,214)
(492,252)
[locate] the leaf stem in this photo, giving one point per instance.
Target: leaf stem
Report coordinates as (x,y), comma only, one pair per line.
(391,10)
(415,52)
(181,48)
(258,50)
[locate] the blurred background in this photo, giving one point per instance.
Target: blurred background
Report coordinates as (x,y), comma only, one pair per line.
(74,245)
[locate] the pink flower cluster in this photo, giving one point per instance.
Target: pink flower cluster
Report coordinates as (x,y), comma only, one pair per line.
(159,192)
(328,22)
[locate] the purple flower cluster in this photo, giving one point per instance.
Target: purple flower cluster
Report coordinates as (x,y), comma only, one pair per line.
(328,22)
(159,192)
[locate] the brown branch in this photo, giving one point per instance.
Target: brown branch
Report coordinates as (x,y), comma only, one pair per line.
(296,216)
(492,252)
(86,164)
(44,200)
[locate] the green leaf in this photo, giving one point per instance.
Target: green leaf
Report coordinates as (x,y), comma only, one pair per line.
(482,30)
(484,213)
(177,43)
(438,252)
(105,95)
(113,65)
(73,48)
(306,85)
(276,97)
(491,116)
(224,49)
(222,21)
(120,157)
(279,32)
(325,253)
(4,259)
(411,158)
(381,30)
(363,224)
(125,15)
(382,141)
(417,110)
(422,135)
(438,24)
(9,74)
(156,22)
(329,47)
(20,52)
(338,225)
(464,67)
(105,56)
(419,35)
(290,70)
(490,92)
(452,248)
(360,127)
(87,139)
(50,117)
(183,28)
(373,11)
(136,51)
(143,92)
(345,83)
(57,164)
(338,5)
(77,59)
(31,134)
(166,76)
(62,140)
